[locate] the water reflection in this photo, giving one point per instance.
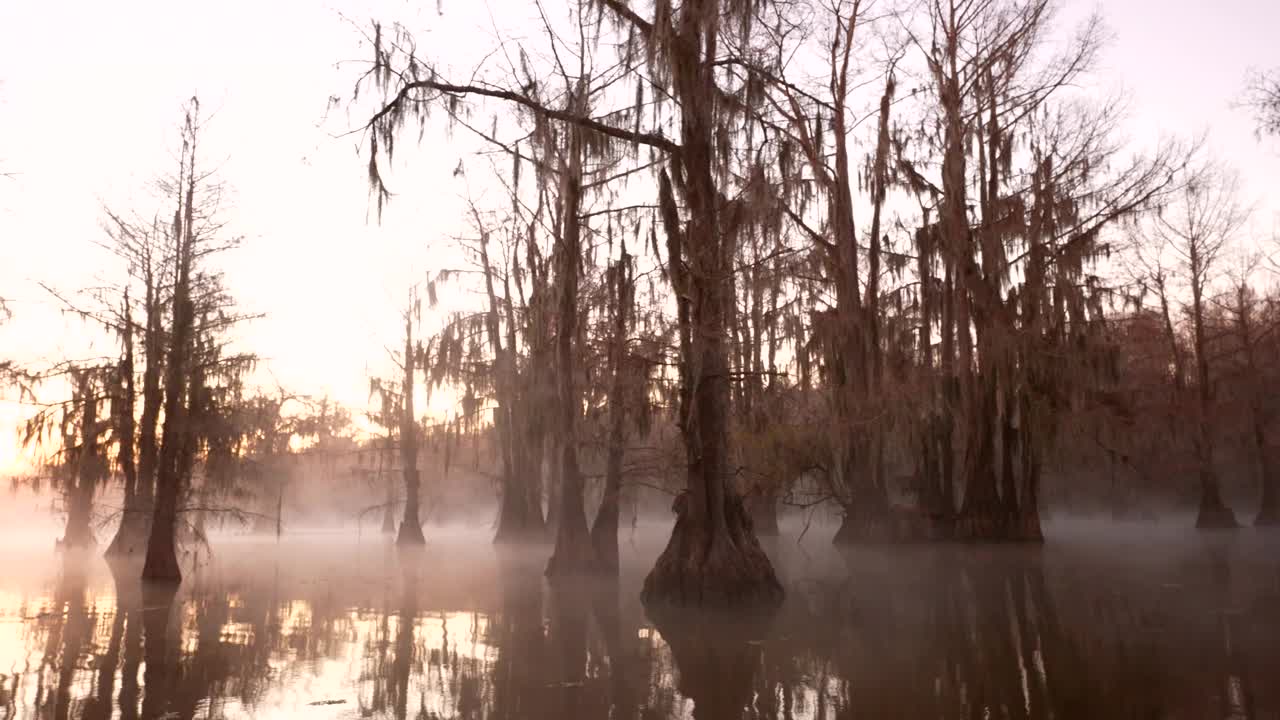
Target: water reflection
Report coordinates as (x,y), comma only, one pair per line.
(466,631)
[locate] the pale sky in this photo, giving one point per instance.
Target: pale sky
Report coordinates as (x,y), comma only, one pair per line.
(90,95)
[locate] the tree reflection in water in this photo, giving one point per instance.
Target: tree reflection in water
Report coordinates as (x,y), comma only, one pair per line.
(460,632)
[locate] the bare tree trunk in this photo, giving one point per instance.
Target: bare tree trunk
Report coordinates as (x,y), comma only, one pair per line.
(123,421)
(128,535)
(981,516)
(526,423)
(196,418)
(604,532)
(134,537)
(514,521)
(1008,452)
(411,524)
(1269,507)
(949,400)
(1027,527)
(867,514)
(535,448)
(762,495)
(87,468)
(1213,511)
(555,471)
(573,553)
(162,552)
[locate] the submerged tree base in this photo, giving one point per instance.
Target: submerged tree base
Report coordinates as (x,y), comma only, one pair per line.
(526,535)
(76,542)
(130,540)
(604,540)
(410,534)
(574,560)
(892,525)
(1216,517)
(161,570)
(712,568)
(78,534)
(161,563)
(517,524)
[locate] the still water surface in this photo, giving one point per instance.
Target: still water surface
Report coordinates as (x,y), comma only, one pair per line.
(1100,623)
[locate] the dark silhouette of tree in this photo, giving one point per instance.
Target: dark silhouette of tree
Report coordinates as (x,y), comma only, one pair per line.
(411,524)
(196,372)
(176,437)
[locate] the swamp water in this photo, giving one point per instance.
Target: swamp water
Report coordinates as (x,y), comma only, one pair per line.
(1102,622)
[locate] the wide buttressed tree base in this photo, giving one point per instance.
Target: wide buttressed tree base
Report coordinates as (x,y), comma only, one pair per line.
(410,534)
(712,565)
(574,553)
(131,538)
(161,564)
(517,525)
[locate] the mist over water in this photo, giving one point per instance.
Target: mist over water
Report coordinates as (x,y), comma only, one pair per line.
(1105,621)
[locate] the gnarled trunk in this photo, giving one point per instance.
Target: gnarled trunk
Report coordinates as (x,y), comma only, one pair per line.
(713,558)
